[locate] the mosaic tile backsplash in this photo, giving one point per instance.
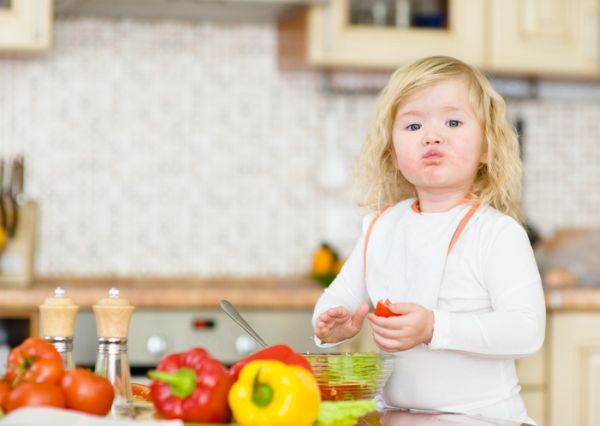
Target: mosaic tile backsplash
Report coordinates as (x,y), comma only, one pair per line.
(177,148)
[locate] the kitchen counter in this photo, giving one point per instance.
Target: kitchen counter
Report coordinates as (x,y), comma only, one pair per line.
(247,293)
(573,299)
(404,418)
(33,415)
(293,292)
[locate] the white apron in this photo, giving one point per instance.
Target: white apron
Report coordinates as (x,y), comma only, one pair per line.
(406,252)
(405,258)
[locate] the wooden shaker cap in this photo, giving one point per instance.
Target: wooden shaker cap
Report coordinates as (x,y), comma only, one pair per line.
(113,315)
(57,315)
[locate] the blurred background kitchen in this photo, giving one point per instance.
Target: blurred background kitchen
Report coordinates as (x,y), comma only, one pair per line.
(201,139)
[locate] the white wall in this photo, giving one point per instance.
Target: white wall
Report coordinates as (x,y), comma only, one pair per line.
(173,148)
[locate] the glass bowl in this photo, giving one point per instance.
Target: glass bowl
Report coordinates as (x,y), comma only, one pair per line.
(350,376)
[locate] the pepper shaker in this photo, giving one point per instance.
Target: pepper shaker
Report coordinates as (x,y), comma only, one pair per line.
(57,324)
(113,315)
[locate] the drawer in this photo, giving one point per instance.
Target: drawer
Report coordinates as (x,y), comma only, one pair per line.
(535,401)
(532,370)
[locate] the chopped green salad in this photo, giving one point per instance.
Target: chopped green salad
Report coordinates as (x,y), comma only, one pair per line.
(360,368)
(344,413)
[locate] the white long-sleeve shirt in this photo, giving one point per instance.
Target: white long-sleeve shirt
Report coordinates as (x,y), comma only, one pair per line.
(486,296)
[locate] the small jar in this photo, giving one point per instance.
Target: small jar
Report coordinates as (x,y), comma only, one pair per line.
(113,316)
(57,324)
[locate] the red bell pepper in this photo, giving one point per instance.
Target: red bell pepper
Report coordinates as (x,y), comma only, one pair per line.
(192,386)
(281,353)
(383,309)
(35,361)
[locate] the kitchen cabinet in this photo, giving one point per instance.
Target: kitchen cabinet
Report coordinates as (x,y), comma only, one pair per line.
(534,384)
(575,369)
(554,37)
(323,36)
(26,26)
(550,37)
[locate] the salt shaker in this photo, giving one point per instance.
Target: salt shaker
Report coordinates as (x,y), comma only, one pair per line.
(57,324)
(113,315)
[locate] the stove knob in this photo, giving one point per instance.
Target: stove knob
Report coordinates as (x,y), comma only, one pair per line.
(245,345)
(156,345)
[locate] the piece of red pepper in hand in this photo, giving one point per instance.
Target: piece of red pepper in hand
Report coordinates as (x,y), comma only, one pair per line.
(383,309)
(281,353)
(34,361)
(192,386)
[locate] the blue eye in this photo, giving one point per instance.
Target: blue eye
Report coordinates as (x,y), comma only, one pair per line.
(413,127)
(453,123)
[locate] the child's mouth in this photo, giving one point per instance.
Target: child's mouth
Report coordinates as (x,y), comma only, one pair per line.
(432,154)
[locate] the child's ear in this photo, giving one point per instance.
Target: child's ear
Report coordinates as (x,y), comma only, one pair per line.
(392,155)
(483,159)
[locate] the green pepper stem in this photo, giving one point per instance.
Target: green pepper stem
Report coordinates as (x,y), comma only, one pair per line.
(262,393)
(183,381)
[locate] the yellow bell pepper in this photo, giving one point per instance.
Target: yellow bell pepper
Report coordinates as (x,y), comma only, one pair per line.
(324,260)
(271,393)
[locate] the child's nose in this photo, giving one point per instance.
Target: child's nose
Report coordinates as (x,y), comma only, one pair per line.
(433,135)
(432,138)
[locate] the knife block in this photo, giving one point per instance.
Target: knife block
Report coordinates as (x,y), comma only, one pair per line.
(17,258)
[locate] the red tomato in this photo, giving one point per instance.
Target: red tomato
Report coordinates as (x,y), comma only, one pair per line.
(4,390)
(35,360)
(33,394)
(383,310)
(84,391)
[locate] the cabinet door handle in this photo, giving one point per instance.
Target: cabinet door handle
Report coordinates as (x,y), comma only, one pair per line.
(36,18)
(329,26)
(591,34)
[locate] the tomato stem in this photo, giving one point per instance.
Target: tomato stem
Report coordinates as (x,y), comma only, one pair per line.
(27,363)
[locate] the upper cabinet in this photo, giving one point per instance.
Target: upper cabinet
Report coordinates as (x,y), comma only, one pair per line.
(345,33)
(25,25)
(544,36)
(557,37)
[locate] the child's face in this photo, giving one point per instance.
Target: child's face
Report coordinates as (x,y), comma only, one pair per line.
(438,140)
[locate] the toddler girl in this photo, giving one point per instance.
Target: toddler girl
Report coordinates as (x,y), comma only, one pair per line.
(444,244)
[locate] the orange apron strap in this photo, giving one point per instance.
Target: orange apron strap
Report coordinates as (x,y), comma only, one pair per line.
(461,226)
(368,235)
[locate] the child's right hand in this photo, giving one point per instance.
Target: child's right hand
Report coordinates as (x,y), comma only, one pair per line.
(337,324)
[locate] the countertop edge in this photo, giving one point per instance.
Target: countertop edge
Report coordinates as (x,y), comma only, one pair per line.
(294,292)
(246,292)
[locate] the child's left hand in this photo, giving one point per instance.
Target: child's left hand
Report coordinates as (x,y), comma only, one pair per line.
(412,326)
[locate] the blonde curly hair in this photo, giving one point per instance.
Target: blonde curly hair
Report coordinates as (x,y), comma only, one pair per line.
(498,181)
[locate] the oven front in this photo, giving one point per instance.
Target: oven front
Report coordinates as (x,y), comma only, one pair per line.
(154,333)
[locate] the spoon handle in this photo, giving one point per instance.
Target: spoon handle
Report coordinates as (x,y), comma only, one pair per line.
(237,317)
